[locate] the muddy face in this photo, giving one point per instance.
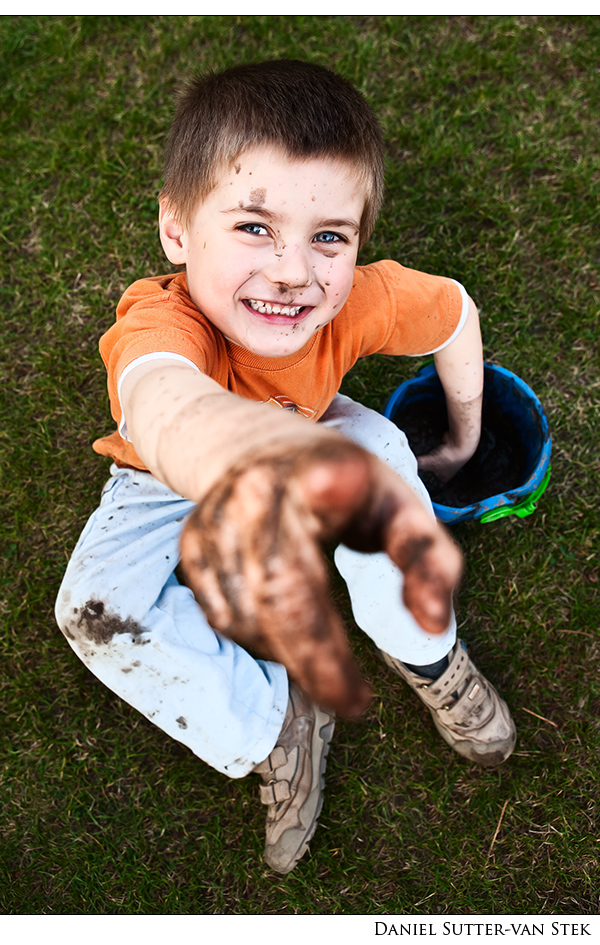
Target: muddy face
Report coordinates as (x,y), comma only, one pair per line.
(260,242)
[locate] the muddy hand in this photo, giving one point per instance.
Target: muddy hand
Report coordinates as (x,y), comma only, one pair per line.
(447,459)
(251,553)
(443,462)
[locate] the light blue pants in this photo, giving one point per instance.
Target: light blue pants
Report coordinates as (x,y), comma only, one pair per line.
(142,633)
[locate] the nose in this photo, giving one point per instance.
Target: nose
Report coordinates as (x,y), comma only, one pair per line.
(289,268)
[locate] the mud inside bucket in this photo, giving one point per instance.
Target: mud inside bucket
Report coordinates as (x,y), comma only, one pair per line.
(510,468)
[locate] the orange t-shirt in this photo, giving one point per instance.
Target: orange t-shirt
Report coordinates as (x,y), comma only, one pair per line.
(390,310)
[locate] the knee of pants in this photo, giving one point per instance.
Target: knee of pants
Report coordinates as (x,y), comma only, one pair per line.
(118,586)
(88,622)
(86,611)
(65,612)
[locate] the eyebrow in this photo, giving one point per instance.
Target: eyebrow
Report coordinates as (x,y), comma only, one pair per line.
(255,208)
(327,224)
(262,211)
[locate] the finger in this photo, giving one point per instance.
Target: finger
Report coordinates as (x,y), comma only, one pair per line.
(431,564)
(300,629)
(426,463)
(372,509)
(201,577)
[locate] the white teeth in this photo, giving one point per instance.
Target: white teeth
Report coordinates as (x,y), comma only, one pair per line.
(265,308)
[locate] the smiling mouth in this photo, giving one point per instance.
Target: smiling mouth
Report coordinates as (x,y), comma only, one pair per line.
(268,308)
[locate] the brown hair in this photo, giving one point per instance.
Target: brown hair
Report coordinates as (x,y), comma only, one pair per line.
(305,109)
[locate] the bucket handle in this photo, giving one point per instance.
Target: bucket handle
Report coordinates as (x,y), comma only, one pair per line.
(526,507)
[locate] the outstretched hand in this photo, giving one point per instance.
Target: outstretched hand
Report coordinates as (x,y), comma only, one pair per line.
(252,554)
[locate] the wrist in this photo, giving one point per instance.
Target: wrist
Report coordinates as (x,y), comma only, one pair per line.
(464,425)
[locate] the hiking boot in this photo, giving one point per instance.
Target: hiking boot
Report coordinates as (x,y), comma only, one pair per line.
(466,709)
(293,781)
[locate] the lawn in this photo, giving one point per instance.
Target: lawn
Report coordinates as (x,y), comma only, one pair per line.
(493,179)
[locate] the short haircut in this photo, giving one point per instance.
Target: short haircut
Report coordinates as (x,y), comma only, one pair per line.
(306,110)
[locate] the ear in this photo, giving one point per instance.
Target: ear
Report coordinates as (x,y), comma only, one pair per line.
(171,234)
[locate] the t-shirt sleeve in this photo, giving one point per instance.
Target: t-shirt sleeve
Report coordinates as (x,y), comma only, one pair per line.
(403,311)
(154,320)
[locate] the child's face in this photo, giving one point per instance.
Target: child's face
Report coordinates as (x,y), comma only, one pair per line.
(270,253)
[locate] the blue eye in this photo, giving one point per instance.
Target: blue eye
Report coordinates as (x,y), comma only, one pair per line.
(330,238)
(257,229)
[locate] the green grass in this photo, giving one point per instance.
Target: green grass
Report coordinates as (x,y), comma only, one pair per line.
(493,178)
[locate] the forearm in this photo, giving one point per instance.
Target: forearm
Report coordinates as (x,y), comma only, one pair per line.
(189,431)
(460,369)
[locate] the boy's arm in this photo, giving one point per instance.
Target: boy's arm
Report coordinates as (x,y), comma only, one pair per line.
(270,488)
(460,369)
(189,431)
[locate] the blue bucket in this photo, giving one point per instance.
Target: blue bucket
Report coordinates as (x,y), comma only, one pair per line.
(520,410)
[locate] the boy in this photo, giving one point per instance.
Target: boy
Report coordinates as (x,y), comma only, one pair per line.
(274,177)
